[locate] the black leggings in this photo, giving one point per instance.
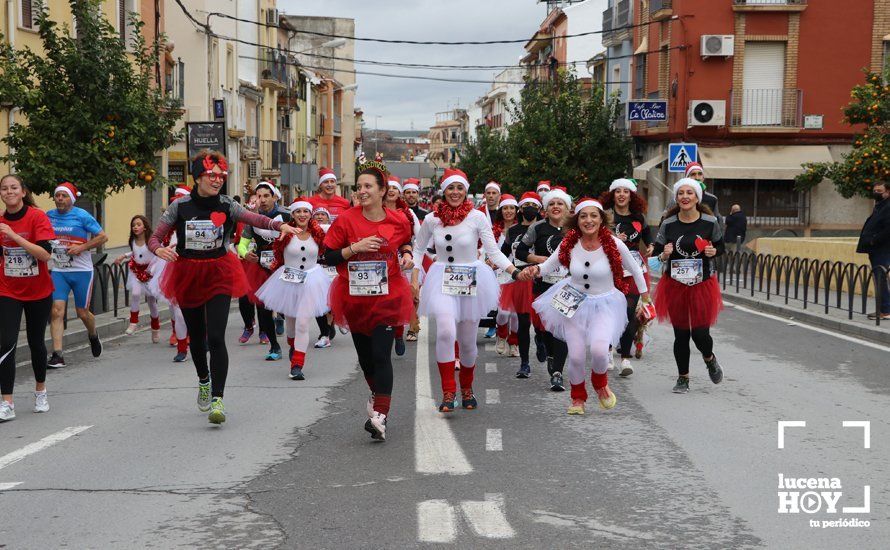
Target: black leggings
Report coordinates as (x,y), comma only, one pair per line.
(703,341)
(556,349)
(36,317)
(375,358)
(525,323)
(324,328)
(630,331)
(210,320)
(267,325)
(248,314)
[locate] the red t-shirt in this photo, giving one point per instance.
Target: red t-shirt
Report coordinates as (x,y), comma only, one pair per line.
(336,205)
(352,226)
(22,276)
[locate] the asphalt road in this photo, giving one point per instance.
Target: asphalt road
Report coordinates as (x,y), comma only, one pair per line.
(125,460)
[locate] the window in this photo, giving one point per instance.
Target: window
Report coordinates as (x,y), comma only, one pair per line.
(29,12)
(885,66)
(766,203)
(230,67)
(640,76)
(125,10)
(764,80)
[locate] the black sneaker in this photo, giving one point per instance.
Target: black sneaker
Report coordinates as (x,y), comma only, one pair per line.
(95,345)
(296,373)
(400,346)
(56,361)
(540,348)
(556,383)
(525,370)
(682,385)
(468,399)
(179,357)
(279,326)
(714,370)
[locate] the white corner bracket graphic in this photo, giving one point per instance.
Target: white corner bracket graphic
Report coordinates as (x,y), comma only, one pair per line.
(788,424)
(866,506)
(866,430)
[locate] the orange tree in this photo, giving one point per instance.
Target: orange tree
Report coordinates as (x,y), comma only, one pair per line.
(869,160)
(94,114)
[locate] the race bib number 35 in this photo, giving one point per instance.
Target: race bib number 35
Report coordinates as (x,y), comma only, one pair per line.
(567,300)
(18,263)
(459,280)
(368,279)
(202,235)
(689,272)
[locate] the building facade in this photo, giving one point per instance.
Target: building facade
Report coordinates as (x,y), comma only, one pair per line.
(746,80)
(617,38)
(447,136)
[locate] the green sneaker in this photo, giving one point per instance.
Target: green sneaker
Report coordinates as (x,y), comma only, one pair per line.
(203,396)
(217,411)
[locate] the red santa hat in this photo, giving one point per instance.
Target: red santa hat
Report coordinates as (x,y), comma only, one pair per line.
(271,187)
(182,190)
(692,167)
(394,181)
(453,175)
(325,174)
(623,183)
(300,202)
(69,188)
(558,193)
(508,200)
(411,183)
(321,210)
(585,202)
(530,197)
(545,185)
(493,185)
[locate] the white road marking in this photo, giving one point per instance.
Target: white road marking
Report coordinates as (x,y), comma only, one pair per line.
(494,440)
(436,450)
(815,329)
(491,368)
(5,486)
(492,397)
(435,521)
(487,518)
(38,446)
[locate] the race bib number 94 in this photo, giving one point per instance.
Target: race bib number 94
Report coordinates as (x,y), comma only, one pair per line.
(202,235)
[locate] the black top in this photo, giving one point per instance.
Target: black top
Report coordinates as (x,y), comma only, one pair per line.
(262,243)
(875,235)
(688,241)
(541,239)
(511,242)
(736,226)
(196,211)
(419,212)
(635,227)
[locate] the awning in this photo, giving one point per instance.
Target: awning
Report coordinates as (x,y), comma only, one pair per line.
(641,172)
(644,45)
(762,162)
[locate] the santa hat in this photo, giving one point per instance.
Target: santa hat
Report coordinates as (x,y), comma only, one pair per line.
(694,184)
(271,187)
(545,185)
(585,202)
(299,203)
(693,166)
(623,183)
(453,175)
(493,185)
(530,197)
(558,193)
(411,183)
(68,187)
(508,200)
(394,181)
(325,174)
(182,190)
(321,210)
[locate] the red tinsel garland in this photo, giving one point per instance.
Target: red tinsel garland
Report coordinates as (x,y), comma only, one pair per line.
(498,229)
(450,215)
(609,248)
(140,271)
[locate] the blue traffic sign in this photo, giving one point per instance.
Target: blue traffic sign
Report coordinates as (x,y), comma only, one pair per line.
(681,154)
(647,111)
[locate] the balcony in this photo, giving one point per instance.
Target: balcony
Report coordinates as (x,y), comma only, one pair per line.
(769,5)
(174,84)
(764,109)
(608,35)
(273,153)
(250,147)
(660,9)
(273,71)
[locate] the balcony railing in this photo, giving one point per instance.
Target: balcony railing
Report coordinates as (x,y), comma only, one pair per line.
(250,147)
(776,108)
(779,3)
(608,16)
(659,9)
(273,70)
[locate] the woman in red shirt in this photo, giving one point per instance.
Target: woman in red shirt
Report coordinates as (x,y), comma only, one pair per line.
(25,286)
(371,245)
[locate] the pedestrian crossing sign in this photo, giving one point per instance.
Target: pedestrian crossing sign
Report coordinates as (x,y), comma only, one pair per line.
(681,154)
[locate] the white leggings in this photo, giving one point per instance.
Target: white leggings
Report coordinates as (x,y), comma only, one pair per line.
(578,344)
(136,298)
(510,317)
(448,331)
(298,329)
(179,327)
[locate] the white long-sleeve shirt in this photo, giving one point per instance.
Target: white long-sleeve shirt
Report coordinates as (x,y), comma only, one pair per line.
(590,271)
(457,244)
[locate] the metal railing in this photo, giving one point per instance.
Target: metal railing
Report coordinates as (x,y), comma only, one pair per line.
(777,108)
(273,153)
(839,285)
(174,83)
(769,2)
(274,68)
(658,5)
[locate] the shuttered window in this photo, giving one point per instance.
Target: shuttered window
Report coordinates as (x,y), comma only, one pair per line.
(29,14)
(764,80)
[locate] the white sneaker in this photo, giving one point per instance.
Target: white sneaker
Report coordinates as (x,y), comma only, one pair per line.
(155,336)
(514,350)
(323,342)
(131,328)
(611,362)
(501,346)
(626,368)
(378,426)
(7,411)
(41,403)
(371,406)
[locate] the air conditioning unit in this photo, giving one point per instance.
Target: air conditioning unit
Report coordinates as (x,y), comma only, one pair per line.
(254,167)
(707,112)
(272,17)
(717,45)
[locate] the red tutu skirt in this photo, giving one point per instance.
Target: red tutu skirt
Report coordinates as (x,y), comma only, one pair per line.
(686,306)
(632,285)
(362,314)
(256,277)
(517,297)
(191,283)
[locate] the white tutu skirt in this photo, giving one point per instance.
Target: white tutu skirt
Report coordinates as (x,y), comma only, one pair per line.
(304,300)
(152,288)
(433,303)
(600,317)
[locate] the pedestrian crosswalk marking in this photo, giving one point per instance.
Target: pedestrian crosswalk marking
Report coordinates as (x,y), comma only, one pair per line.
(491,368)
(492,397)
(437,519)
(494,440)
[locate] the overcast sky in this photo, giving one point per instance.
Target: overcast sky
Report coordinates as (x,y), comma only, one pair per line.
(399,102)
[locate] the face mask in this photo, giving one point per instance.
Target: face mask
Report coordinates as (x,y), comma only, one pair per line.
(878,196)
(529,213)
